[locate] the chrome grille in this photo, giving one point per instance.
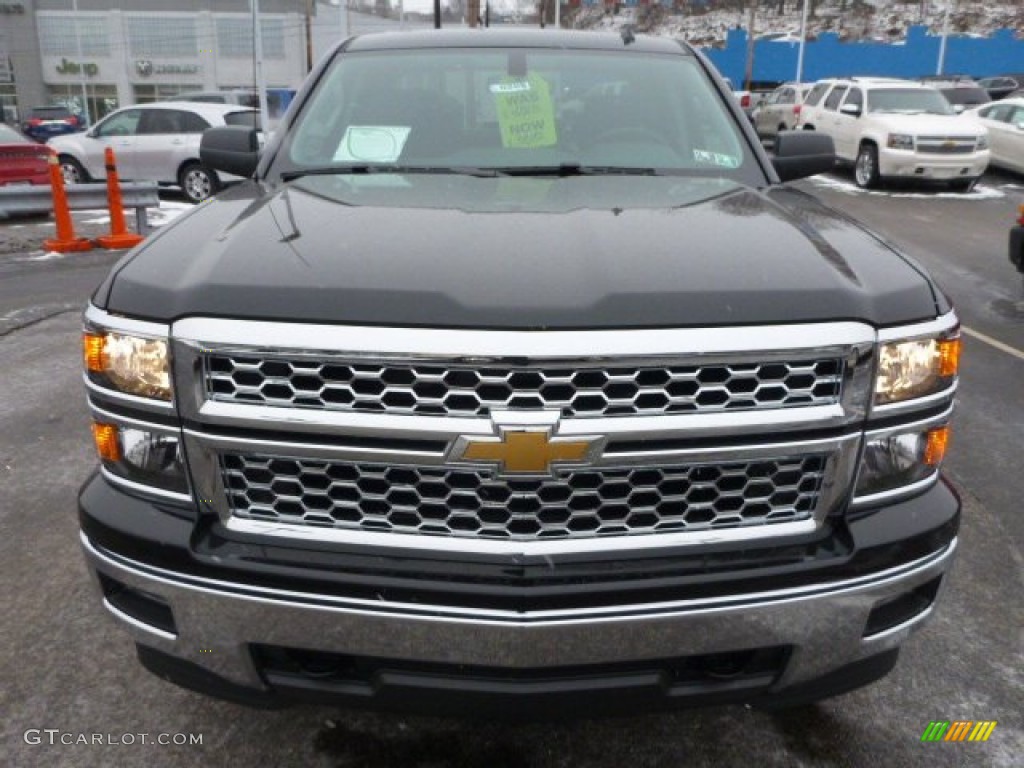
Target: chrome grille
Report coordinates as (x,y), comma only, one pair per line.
(575,503)
(448,390)
(946,145)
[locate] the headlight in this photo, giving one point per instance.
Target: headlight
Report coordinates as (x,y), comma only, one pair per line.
(909,369)
(901,459)
(131,364)
(900,141)
(983,142)
(141,456)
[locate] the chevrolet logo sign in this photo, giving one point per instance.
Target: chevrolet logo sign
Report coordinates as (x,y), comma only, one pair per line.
(526,451)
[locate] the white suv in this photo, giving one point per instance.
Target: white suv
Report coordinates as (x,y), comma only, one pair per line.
(152,142)
(897,129)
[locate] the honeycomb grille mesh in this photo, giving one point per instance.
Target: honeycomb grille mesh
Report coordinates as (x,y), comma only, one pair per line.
(575,503)
(474,391)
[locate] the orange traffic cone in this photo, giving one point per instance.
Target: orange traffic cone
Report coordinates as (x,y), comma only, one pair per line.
(119,236)
(66,241)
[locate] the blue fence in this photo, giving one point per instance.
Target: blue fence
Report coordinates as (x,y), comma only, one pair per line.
(827,57)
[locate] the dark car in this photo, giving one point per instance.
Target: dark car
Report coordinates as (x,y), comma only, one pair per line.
(1001,86)
(961,92)
(514,380)
(22,161)
(44,123)
(965,97)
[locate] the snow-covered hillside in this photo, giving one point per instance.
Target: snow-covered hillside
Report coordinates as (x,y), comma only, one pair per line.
(850,19)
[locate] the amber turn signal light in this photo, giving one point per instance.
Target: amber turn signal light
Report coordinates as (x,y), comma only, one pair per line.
(93,352)
(949,357)
(108,446)
(935,447)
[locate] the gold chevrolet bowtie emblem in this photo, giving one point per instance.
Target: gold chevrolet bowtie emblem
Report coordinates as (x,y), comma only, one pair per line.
(526,451)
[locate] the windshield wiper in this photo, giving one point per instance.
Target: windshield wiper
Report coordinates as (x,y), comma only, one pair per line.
(375,168)
(577,169)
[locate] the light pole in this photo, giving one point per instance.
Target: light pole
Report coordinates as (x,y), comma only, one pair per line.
(257,46)
(81,67)
(343,18)
(803,42)
(942,42)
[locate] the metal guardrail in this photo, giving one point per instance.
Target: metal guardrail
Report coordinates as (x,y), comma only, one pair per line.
(38,199)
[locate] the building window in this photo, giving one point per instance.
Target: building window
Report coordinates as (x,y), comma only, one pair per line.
(162,37)
(234,38)
(144,94)
(8,104)
(57,35)
(102,98)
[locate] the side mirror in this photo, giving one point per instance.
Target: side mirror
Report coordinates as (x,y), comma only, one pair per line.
(799,154)
(853,110)
(959,108)
(232,149)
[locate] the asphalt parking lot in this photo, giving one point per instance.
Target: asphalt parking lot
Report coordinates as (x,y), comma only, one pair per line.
(68,672)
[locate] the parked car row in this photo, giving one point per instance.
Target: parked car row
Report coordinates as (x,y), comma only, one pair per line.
(153,142)
(939,129)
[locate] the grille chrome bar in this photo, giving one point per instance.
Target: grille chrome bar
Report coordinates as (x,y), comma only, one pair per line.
(205,451)
(576,503)
(946,145)
(460,390)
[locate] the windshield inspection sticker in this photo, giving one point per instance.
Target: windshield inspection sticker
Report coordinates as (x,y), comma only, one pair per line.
(525,112)
(372,144)
(716,158)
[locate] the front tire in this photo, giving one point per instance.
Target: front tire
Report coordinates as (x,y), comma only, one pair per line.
(865,169)
(72,171)
(198,182)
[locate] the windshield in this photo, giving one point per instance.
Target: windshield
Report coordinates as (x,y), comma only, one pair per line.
(908,101)
(517,111)
(50,113)
(248,118)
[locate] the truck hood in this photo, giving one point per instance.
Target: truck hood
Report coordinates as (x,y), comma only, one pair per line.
(531,253)
(929,125)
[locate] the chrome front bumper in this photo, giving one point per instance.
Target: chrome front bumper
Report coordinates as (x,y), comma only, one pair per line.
(217,621)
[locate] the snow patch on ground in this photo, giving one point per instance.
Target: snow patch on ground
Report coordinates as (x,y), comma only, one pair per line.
(45,256)
(980,192)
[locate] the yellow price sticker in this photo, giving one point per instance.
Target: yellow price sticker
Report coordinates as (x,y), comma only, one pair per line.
(526,115)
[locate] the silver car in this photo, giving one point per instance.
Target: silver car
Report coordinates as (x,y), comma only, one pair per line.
(152,142)
(781,110)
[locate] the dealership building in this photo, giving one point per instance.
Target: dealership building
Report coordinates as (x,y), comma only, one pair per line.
(113,54)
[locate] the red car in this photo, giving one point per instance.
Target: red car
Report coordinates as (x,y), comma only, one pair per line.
(22,161)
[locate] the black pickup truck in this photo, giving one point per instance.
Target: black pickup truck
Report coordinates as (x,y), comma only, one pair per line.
(515,380)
